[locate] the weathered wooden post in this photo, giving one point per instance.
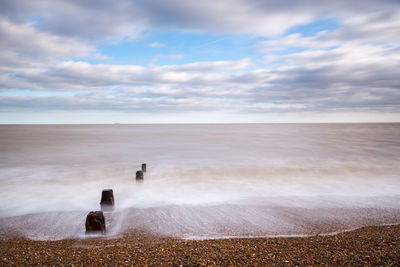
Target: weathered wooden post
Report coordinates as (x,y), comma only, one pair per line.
(95,222)
(139,175)
(107,200)
(143,167)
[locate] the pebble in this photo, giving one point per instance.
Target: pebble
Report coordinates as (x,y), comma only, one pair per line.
(368,246)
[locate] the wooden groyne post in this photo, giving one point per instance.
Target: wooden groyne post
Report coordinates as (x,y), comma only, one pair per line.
(95,222)
(107,200)
(139,175)
(144,167)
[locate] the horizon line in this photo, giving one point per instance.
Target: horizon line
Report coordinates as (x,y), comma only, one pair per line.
(198,123)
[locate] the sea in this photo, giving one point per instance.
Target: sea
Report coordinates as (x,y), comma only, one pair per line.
(203,181)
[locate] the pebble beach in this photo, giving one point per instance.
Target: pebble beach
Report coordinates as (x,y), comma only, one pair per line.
(367,246)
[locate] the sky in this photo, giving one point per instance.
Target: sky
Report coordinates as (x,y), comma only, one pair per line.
(225,61)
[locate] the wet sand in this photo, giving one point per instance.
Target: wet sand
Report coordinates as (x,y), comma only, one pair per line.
(367,246)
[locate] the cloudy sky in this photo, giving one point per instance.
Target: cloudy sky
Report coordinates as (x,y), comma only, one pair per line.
(171,61)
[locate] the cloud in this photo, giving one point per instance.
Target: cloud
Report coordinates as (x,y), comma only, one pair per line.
(98,57)
(72,75)
(378,28)
(157,45)
(49,45)
(345,78)
(84,19)
(26,41)
(102,101)
(353,67)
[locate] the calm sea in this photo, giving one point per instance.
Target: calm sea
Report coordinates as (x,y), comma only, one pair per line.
(202,181)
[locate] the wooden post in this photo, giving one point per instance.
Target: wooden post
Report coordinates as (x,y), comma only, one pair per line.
(95,222)
(107,200)
(139,175)
(143,167)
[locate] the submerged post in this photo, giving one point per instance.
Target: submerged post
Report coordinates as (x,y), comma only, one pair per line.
(107,200)
(139,175)
(143,167)
(95,222)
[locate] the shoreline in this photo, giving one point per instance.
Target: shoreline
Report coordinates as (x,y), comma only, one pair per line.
(199,238)
(369,246)
(270,222)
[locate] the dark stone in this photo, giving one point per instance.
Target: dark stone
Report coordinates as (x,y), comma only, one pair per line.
(95,222)
(107,200)
(143,167)
(139,175)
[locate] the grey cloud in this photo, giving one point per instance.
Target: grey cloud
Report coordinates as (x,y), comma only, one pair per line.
(125,18)
(81,75)
(352,78)
(20,42)
(334,86)
(84,19)
(102,102)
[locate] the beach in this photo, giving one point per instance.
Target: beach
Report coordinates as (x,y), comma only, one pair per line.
(248,194)
(367,246)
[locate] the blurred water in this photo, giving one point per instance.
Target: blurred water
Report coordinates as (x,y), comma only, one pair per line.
(202,180)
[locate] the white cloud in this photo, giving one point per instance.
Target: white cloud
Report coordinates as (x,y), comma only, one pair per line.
(157,45)
(26,41)
(99,57)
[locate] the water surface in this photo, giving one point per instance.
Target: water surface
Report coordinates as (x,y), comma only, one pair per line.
(203,181)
